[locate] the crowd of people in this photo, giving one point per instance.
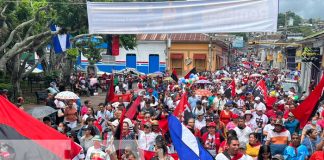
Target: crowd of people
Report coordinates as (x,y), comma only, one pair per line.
(229,126)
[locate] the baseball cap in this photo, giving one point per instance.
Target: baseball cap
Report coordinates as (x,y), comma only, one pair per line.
(211,124)
(257,98)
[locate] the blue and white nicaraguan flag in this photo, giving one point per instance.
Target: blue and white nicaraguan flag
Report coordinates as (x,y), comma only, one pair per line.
(61,42)
(185,143)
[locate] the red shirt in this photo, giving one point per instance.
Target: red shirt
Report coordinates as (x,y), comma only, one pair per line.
(271,113)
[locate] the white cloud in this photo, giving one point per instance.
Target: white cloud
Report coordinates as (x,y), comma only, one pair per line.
(304,8)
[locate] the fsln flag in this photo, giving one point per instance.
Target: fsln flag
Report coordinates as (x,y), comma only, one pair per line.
(193,71)
(174,75)
(185,143)
(262,89)
(29,138)
(61,41)
(183,104)
(304,111)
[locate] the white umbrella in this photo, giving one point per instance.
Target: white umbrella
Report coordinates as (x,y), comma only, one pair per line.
(66,95)
(255,75)
(40,112)
(203,82)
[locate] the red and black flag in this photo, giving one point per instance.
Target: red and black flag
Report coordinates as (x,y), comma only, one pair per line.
(174,75)
(308,107)
(193,71)
(182,106)
(261,90)
(131,112)
(29,138)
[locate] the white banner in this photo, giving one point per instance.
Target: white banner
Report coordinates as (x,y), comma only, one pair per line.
(207,16)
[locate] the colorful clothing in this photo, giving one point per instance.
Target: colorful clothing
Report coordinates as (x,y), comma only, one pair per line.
(299,153)
(292,126)
(278,141)
(225,117)
(252,150)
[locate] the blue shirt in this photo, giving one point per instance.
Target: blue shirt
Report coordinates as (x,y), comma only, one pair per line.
(290,153)
(292,126)
(192,101)
(311,144)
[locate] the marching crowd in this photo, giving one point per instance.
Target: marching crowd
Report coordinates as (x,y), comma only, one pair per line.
(239,125)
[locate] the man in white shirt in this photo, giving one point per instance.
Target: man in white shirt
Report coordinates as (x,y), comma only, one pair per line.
(259,104)
(259,118)
(95,151)
(146,138)
(242,131)
(267,128)
(200,121)
(219,105)
(233,151)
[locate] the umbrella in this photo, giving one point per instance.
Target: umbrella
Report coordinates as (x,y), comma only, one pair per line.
(255,75)
(154,75)
(222,72)
(40,112)
(203,92)
(203,82)
(168,79)
(66,95)
(226,79)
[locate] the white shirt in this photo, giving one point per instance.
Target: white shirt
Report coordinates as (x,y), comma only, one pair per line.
(268,127)
(59,104)
(260,105)
(100,114)
(200,124)
(240,103)
(117,90)
(145,141)
(243,134)
(93,81)
(221,156)
(263,117)
(197,112)
(92,151)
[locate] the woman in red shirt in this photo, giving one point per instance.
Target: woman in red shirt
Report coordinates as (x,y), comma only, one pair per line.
(226,114)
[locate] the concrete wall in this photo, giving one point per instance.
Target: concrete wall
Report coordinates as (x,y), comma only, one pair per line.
(189,49)
(142,51)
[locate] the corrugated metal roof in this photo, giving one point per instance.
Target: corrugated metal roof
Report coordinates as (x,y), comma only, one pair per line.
(181,37)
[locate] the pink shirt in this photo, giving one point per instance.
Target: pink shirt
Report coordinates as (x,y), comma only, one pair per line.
(230,126)
(84,110)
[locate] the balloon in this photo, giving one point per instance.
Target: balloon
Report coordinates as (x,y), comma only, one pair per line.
(191,76)
(197,78)
(187,81)
(190,81)
(183,81)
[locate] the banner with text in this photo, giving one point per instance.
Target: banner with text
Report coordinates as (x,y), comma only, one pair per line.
(208,16)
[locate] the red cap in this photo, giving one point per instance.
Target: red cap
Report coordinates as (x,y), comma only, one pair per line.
(211,124)
(235,116)
(150,90)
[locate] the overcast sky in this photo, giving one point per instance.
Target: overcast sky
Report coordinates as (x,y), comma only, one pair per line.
(304,8)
